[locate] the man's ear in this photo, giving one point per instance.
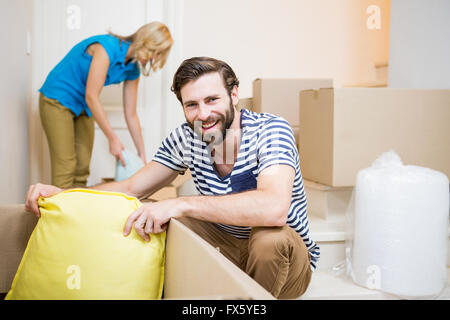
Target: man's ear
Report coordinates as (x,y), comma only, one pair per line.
(235,96)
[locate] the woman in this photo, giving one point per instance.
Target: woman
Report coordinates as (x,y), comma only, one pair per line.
(69,100)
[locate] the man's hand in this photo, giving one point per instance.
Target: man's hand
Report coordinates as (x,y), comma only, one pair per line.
(152,218)
(33,194)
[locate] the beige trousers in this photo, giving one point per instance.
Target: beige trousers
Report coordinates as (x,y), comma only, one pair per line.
(275,257)
(70,140)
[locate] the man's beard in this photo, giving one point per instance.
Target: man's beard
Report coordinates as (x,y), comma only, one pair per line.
(215,138)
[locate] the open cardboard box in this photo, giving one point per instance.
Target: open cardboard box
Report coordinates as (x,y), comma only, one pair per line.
(172,190)
(193,270)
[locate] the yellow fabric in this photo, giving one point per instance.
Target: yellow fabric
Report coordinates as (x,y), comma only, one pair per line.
(78,251)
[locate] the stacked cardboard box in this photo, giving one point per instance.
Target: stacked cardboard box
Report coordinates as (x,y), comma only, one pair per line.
(326,205)
(245,103)
(344,130)
(173,189)
(280,97)
(327,202)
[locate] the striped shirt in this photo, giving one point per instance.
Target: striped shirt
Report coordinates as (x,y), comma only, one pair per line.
(266,140)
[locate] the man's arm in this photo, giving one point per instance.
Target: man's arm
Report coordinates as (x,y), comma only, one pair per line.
(268,205)
(146,181)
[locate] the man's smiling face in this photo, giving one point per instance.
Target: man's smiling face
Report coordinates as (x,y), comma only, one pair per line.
(208,108)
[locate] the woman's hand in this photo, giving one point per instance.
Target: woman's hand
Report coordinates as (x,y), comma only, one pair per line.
(36,191)
(115,148)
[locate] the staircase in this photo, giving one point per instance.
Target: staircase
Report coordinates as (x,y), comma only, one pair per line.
(379,77)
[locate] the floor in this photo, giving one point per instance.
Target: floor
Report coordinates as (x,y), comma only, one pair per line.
(327,285)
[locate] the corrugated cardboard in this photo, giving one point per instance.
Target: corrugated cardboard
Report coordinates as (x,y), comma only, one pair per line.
(193,269)
(344,130)
(173,189)
(327,202)
(164,193)
(16,226)
(280,96)
(168,192)
(245,103)
(181,179)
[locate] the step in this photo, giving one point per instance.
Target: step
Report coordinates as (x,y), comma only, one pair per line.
(381,71)
(324,201)
(327,281)
(329,234)
(329,285)
(368,84)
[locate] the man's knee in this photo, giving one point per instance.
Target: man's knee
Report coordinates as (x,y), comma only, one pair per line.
(267,242)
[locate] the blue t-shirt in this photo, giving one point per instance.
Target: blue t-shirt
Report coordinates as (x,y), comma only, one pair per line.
(67,81)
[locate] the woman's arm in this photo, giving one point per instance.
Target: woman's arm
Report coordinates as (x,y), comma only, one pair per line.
(94,85)
(130,89)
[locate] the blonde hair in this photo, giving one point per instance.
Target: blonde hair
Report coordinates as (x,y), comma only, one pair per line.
(147,40)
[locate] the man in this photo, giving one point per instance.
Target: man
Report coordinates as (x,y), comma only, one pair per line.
(246,167)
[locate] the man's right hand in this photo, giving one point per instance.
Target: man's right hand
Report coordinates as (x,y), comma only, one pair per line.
(34,192)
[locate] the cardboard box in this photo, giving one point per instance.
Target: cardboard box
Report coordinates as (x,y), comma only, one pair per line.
(280,96)
(165,193)
(181,179)
(344,130)
(16,226)
(327,202)
(173,189)
(193,269)
(245,103)
(168,192)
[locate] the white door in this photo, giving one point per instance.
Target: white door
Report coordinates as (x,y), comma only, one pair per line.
(58,26)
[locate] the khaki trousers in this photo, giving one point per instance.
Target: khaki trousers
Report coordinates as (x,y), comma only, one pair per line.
(275,257)
(70,140)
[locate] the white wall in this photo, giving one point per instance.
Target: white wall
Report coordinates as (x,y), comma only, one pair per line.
(15,17)
(259,38)
(420,44)
(288,38)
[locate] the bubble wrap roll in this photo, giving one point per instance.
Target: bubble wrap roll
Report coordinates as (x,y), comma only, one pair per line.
(401,218)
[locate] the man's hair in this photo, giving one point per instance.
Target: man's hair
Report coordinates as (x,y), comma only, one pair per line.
(194,68)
